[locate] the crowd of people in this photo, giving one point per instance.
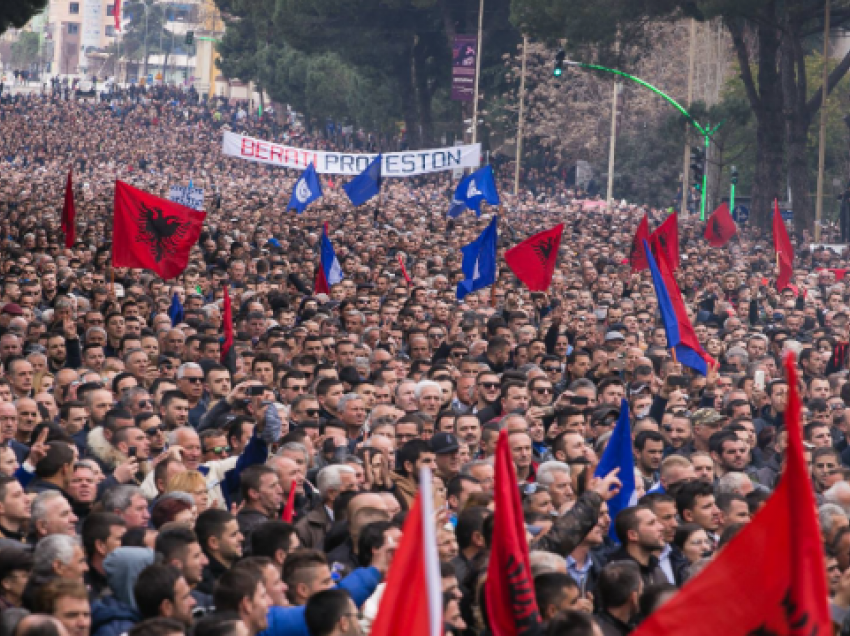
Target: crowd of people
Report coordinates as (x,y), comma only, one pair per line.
(150,487)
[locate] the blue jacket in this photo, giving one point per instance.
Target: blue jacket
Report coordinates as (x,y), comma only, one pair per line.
(289,621)
(111,617)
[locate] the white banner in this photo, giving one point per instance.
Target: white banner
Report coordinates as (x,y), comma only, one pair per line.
(395,164)
(190,197)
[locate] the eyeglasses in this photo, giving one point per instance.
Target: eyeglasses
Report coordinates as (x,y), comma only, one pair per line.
(193,380)
(544,390)
(145,403)
(489,385)
(299,388)
(551,369)
(218,450)
(154,430)
(312,412)
(458,354)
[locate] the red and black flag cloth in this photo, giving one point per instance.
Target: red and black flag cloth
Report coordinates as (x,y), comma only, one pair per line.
(228,353)
(153,233)
(666,239)
(770,578)
(69,212)
(509,590)
(637,255)
(720,227)
(533,260)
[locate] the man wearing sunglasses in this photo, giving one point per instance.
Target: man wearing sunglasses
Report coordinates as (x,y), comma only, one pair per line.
(214,444)
(190,380)
(305,415)
(151,424)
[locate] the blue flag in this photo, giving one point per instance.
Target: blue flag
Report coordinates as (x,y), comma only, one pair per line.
(175,311)
(479,261)
(619,454)
(366,184)
(472,190)
(307,189)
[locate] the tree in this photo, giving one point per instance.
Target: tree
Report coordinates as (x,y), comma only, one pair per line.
(17,13)
(25,50)
(394,48)
(144,30)
(770,38)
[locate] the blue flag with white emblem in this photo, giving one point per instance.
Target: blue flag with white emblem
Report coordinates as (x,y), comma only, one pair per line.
(619,454)
(366,184)
(472,190)
(307,189)
(479,261)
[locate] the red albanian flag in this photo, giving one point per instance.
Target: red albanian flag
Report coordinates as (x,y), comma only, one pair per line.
(509,590)
(770,578)
(720,227)
(666,239)
(533,260)
(153,233)
(69,213)
(784,251)
(637,257)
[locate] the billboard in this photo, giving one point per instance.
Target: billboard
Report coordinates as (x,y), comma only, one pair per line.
(464,52)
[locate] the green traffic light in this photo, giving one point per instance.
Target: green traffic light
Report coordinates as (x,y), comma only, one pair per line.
(558,71)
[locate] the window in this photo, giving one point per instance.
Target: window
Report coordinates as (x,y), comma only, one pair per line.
(110,31)
(73,28)
(110,10)
(74,8)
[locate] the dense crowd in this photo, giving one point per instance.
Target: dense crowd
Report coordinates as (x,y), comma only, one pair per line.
(144,483)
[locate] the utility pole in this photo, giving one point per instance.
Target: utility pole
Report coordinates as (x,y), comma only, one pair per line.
(477,71)
(612,146)
(521,115)
(822,140)
(686,177)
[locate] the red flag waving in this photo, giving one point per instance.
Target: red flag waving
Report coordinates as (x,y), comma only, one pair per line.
(666,239)
(227,324)
(289,509)
(69,212)
(509,590)
(153,233)
(412,603)
(784,251)
(116,12)
(637,257)
(770,578)
(533,260)
(720,227)
(403,269)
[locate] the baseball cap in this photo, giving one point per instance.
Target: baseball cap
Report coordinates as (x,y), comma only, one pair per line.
(614,335)
(443,443)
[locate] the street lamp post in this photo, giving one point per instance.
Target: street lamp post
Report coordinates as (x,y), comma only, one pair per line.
(706,132)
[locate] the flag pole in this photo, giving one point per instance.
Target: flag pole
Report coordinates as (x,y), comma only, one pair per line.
(496,281)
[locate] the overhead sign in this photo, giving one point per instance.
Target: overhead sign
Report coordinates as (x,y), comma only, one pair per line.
(395,164)
(741,213)
(463,67)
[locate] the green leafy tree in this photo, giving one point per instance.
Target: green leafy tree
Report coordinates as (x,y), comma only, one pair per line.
(16,13)
(24,51)
(144,31)
(396,49)
(771,39)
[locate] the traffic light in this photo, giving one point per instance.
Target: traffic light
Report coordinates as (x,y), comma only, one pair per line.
(697,167)
(190,38)
(559,63)
(734,175)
